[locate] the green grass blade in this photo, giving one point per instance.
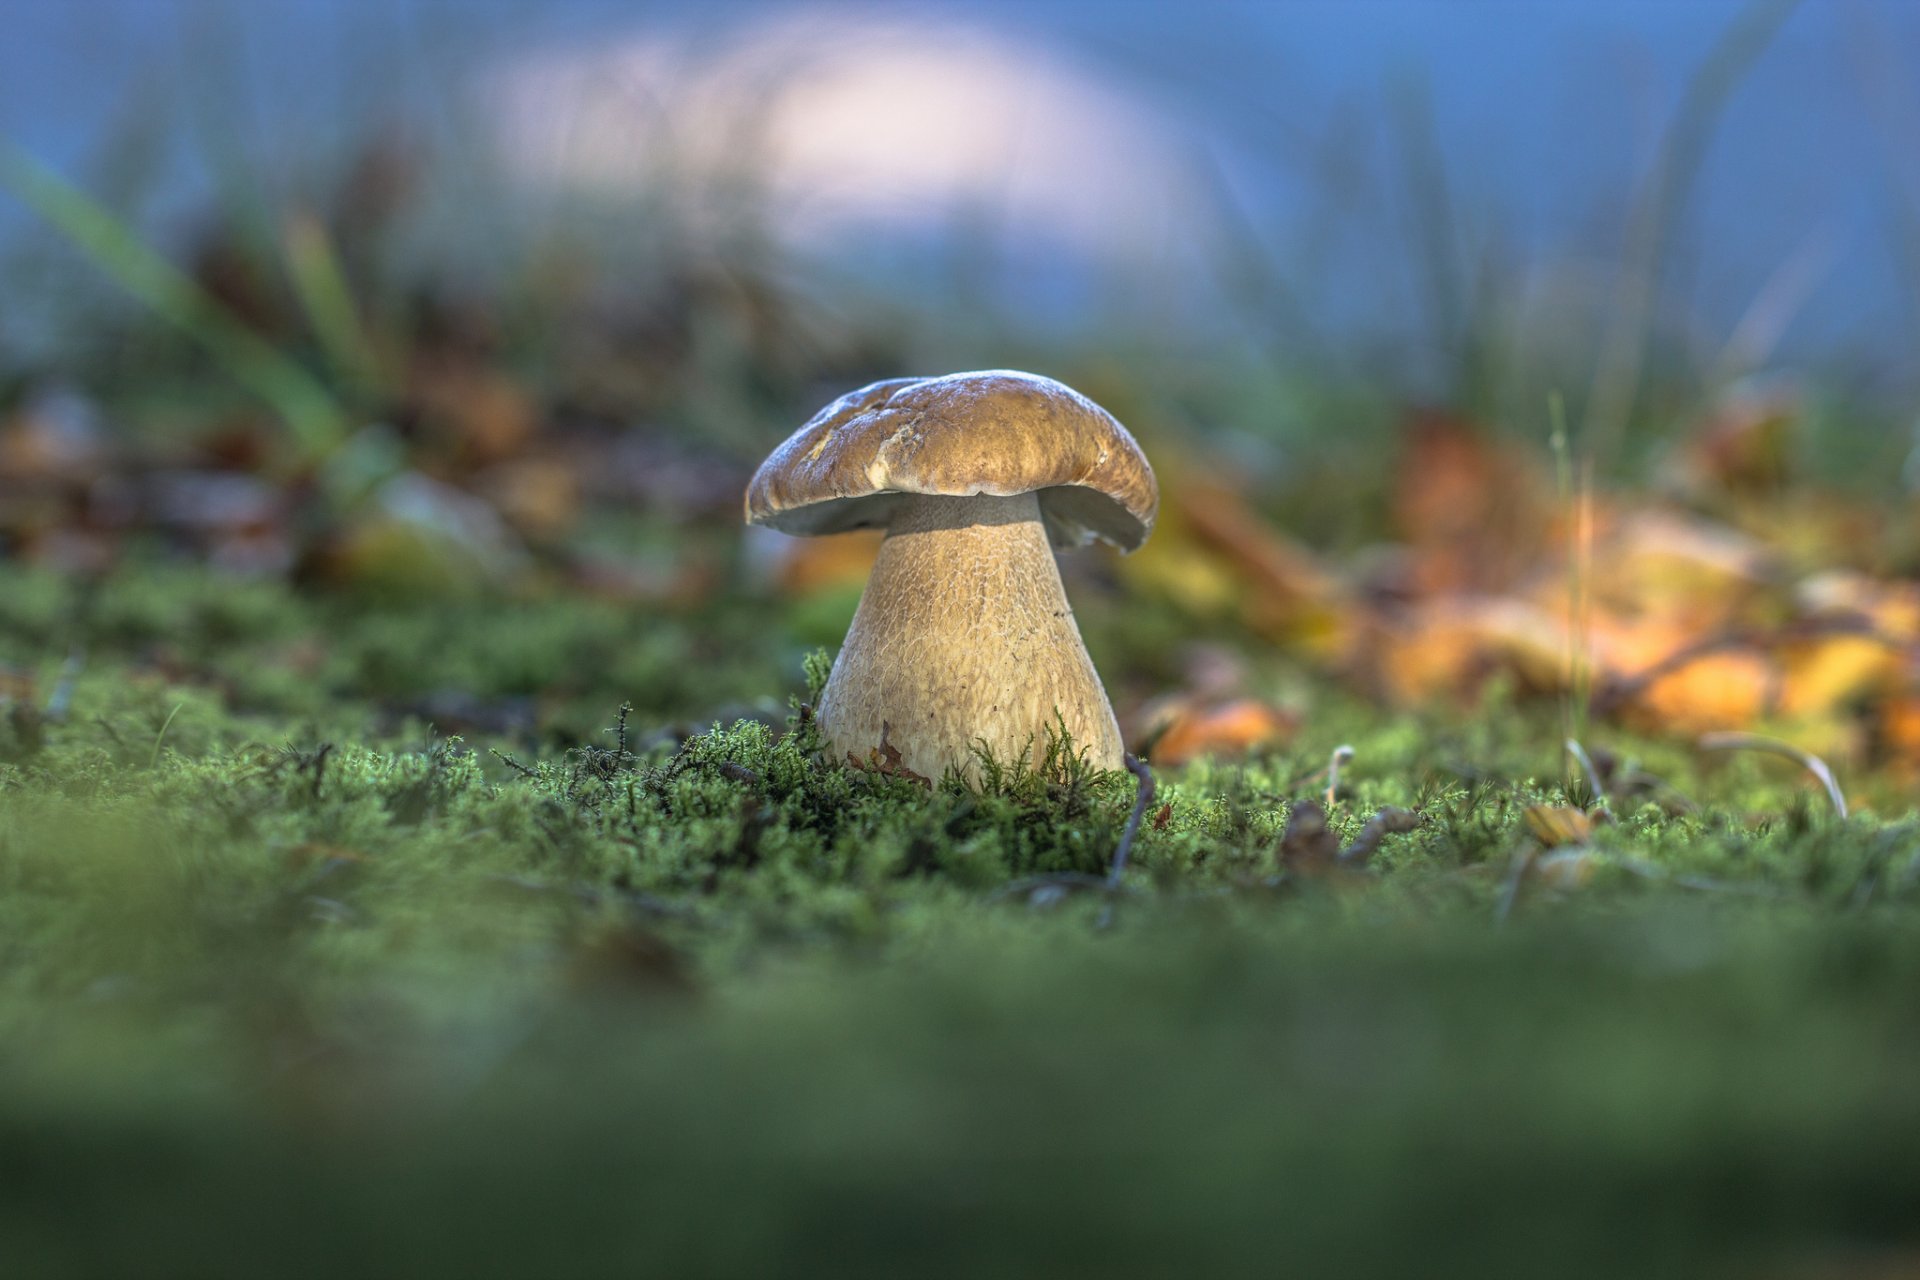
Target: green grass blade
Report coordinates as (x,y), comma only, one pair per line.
(313,415)
(321,285)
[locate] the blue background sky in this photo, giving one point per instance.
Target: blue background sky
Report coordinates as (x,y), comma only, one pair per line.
(1545,117)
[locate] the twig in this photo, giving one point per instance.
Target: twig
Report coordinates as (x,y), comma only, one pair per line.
(513,764)
(1391,820)
(1773,746)
(620,731)
(1138,768)
(320,766)
(1342,754)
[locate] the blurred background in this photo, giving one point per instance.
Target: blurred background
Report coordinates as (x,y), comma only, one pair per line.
(1560,350)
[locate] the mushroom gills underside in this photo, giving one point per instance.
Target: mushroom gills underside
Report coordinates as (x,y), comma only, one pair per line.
(1074,515)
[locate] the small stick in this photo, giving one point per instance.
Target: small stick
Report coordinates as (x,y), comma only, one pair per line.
(1138,769)
(620,741)
(1773,746)
(1389,821)
(320,766)
(513,764)
(1342,754)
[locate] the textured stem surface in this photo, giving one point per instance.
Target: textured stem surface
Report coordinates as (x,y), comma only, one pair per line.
(964,634)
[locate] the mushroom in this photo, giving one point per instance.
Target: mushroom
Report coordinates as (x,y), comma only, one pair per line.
(964,636)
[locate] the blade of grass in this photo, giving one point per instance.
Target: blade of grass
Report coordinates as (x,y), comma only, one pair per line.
(161,738)
(1773,746)
(313,416)
(325,296)
(1655,214)
(1576,495)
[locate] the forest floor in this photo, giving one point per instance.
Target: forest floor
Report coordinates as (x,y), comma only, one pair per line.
(296,981)
(416,857)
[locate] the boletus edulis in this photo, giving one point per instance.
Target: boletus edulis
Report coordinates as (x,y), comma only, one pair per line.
(964,636)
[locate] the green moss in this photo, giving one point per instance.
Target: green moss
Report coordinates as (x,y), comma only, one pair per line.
(616,999)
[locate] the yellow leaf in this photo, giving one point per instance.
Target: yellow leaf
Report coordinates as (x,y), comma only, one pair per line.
(1557,826)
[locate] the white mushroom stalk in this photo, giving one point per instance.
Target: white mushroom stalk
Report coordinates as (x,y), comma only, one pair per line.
(964,640)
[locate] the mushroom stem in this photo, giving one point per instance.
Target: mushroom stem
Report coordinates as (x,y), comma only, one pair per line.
(964,635)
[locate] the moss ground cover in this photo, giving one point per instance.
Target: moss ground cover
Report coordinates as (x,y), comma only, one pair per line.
(296,980)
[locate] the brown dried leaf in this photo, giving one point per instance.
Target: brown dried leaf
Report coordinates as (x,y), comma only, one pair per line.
(1898,730)
(1556,826)
(1448,647)
(1213,555)
(1233,728)
(1745,445)
(885,759)
(1475,512)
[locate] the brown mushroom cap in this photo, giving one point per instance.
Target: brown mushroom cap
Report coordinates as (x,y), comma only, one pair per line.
(997,432)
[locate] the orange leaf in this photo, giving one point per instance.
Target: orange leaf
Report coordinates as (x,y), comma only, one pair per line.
(1233,728)
(1727,689)
(1556,826)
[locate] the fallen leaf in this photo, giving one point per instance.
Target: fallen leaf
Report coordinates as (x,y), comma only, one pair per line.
(1898,729)
(1448,648)
(1890,610)
(1823,675)
(885,759)
(1745,444)
(1719,690)
(1473,512)
(1681,568)
(1290,594)
(474,412)
(1556,826)
(1234,728)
